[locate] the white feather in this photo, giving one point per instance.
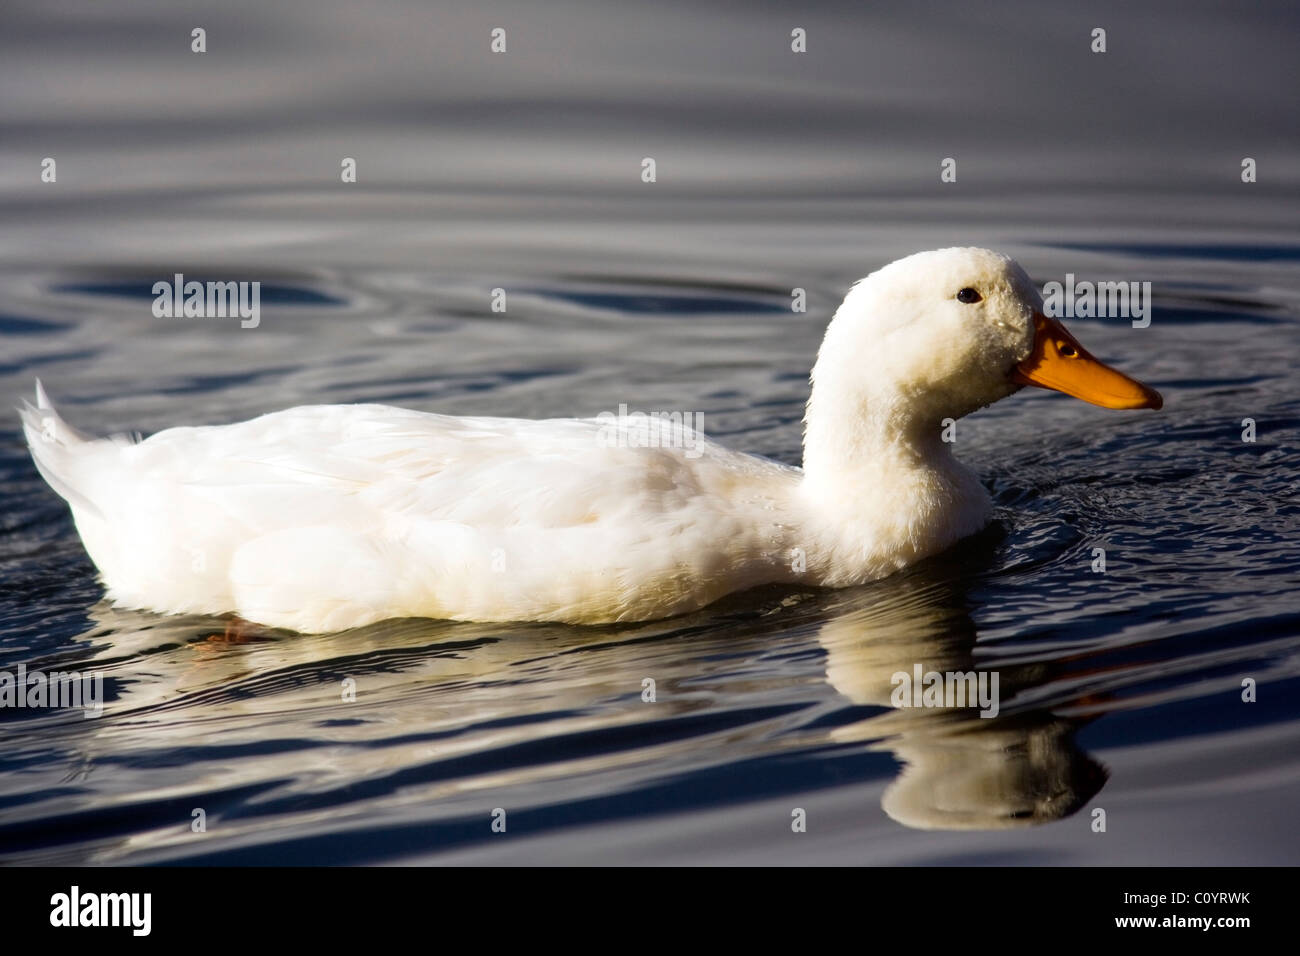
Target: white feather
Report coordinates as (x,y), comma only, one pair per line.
(322,518)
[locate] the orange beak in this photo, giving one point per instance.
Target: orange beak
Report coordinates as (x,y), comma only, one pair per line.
(1060,363)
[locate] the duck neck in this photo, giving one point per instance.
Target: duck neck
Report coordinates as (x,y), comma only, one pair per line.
(878,475)
(850,447)
(881,487)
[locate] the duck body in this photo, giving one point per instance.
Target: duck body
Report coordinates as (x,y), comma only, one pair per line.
(328,517)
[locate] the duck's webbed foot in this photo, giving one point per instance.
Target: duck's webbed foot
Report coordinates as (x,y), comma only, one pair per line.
(238,631)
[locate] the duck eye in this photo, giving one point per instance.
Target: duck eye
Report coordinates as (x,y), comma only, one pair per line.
(968,295)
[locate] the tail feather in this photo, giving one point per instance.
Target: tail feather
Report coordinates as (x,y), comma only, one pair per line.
(54,445)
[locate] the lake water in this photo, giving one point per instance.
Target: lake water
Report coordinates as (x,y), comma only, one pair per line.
(1121,691)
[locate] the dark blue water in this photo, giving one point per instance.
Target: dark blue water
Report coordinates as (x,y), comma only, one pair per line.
(1120,691)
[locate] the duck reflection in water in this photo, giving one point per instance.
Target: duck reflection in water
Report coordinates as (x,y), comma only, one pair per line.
(960,770)
(430,694)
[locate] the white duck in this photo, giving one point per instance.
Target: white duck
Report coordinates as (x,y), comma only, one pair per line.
(327,517)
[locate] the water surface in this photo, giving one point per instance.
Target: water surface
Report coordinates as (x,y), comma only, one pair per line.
(1120,691)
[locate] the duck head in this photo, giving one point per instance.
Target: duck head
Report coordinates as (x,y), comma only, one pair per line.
(940,334)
